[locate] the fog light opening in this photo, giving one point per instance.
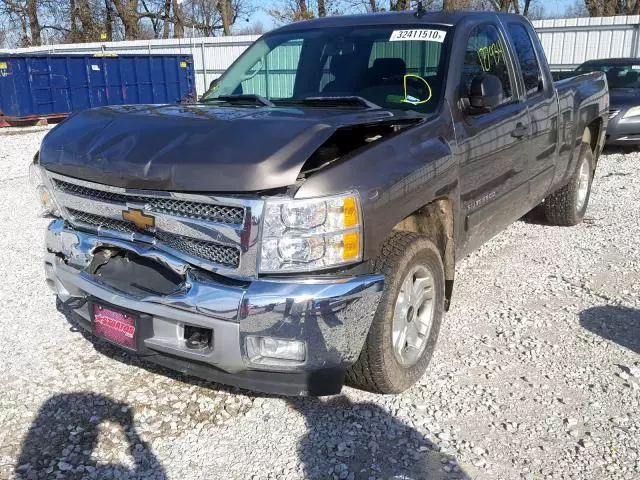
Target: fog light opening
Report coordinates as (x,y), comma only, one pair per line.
(196,338)
(269,349)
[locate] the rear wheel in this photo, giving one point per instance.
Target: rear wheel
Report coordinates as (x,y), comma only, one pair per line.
(567,206)
(406,325)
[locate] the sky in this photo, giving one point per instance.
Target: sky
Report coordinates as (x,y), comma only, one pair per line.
(556,7)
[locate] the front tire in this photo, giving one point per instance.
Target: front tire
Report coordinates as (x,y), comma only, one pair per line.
(405,328)
(567,206)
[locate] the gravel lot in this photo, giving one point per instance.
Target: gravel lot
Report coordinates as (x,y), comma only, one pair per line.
(537,373)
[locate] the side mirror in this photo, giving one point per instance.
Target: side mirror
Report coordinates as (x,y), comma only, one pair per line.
(485,93)
(213,83)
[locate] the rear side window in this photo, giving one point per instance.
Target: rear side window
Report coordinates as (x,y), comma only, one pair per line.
(486,53)
(526,57)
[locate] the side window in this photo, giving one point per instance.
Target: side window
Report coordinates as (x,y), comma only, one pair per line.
(526,57)
(274,75)
(486,53)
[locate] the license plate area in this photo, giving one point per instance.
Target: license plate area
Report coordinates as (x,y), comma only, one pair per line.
(115,325)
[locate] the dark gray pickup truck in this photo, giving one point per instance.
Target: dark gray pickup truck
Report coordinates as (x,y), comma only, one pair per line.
(299,226)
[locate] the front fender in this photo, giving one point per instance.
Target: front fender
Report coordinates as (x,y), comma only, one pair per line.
(395,178)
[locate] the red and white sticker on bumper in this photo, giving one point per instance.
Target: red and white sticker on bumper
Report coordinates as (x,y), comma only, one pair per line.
(117,327)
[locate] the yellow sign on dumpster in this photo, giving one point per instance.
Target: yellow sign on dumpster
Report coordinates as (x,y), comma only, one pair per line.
(3,65)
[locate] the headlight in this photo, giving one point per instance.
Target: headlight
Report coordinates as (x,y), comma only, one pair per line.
(48,206)
(632,112)
(306,235)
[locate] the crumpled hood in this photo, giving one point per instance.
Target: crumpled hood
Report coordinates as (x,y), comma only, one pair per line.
(194,147)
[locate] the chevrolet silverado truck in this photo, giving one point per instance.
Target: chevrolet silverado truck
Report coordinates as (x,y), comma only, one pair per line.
(298,226)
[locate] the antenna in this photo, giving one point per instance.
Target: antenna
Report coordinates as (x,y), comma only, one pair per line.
(421,10)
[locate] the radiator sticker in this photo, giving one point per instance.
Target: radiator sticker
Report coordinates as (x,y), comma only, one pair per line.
(424,35)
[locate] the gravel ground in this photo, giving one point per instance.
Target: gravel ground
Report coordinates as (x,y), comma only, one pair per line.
(537,373)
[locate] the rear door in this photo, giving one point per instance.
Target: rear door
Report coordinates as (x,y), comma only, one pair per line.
(540,99)
(491,146)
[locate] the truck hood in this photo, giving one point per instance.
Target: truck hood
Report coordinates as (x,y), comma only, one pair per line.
(624,97)
(194,147)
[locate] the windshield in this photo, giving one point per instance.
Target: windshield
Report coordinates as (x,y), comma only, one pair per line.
(387,66)
(618,76)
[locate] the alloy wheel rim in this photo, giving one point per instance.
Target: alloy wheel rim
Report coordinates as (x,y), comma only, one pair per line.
(413,315)
(583,185)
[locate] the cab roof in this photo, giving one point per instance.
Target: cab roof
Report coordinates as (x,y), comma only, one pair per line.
(408,17)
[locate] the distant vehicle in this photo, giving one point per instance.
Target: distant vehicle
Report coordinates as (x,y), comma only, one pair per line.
(302,222)
(623,76)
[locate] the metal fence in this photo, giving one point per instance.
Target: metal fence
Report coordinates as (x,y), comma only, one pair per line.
(570,41)
(567,42)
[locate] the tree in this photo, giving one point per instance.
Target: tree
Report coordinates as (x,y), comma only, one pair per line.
(4,37)
(25,13)
(606,8)
(456,4)
(291,11)
(256,28)
(399,5)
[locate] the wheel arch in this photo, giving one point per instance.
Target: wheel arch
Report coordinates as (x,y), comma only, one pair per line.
(435,220)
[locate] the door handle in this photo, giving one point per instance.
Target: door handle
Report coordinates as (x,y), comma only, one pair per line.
(520,131)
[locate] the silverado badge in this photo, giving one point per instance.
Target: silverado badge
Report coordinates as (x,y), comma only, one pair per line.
(139,218)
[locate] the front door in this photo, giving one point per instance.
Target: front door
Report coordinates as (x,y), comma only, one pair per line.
(492,147)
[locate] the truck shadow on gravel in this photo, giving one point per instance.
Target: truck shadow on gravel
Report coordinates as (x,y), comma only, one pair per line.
(62,441)
(346,440)
(618,324)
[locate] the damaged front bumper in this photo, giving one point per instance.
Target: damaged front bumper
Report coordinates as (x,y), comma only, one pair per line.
(331,316)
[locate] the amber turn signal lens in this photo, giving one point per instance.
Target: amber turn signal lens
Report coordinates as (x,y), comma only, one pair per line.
(350,212)
(351,245)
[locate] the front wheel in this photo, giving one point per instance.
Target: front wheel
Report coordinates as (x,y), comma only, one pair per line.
(567,206)
(406,324)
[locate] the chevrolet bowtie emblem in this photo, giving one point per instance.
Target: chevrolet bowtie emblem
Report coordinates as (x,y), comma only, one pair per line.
(139,218)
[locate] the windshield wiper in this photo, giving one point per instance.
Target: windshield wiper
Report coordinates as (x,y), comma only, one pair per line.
(340,101)
(244,98)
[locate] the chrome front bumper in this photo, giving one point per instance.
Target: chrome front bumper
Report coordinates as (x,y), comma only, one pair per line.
(331,315)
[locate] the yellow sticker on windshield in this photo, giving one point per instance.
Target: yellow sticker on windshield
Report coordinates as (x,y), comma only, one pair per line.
(423,34)
(414,100)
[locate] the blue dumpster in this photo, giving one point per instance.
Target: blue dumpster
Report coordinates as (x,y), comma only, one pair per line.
(45,86)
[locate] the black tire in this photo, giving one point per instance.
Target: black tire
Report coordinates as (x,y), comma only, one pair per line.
(378,369)
(562,207)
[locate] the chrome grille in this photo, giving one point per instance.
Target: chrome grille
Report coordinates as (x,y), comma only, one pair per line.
(613,113)
(181,208)
(212,252)
(198,248)
(104,222)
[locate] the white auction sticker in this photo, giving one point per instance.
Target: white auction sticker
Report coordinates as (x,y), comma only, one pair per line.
(420,35)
